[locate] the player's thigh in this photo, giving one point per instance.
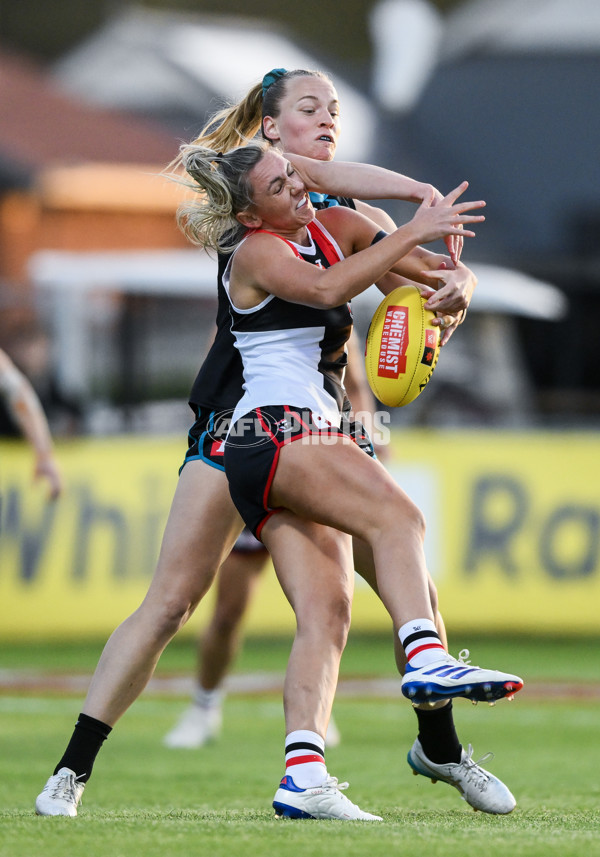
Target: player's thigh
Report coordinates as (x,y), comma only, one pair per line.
(335,483)
(314,566)
(201,528)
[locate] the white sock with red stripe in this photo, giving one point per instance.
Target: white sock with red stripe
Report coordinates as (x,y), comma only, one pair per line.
(421,642)
(305,758)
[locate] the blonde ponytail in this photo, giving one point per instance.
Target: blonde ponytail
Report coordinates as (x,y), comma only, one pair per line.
(221,182)
(234,126)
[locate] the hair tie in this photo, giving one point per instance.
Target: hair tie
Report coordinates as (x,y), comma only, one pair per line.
(218,157)
(270,78)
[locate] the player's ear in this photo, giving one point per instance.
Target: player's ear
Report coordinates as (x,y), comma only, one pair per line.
(270,129)
(249,219)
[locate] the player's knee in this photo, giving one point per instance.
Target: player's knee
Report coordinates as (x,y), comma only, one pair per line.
(326,618)
(172,615)
(402,514)
(416,519)
(342,608)
(342,616)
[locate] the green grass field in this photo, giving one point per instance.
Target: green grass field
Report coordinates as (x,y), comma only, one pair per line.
(145,799)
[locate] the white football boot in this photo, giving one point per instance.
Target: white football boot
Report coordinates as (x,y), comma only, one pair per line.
(324,801)
(196,727)
(60,795)
(448,678)
(477,786)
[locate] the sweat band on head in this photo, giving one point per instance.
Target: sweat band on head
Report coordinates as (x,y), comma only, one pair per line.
(271,76)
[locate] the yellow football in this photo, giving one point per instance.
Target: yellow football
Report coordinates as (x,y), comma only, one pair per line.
(402,347)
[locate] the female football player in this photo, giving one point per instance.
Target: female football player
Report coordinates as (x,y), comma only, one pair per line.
(288,284)
(299,113)
(199,533)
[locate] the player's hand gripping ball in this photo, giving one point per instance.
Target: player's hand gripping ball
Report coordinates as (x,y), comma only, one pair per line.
(402,347)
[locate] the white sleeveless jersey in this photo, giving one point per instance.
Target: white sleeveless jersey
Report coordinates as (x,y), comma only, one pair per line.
(294,354)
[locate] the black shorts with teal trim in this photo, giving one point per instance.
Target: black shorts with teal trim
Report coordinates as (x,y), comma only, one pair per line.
(206,443)
(252,452)
(206,438)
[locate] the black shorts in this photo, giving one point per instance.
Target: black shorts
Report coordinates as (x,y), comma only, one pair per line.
(252,452)
(206,443)
(206,438)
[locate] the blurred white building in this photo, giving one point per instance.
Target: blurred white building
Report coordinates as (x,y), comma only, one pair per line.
(178,68)
(181,67)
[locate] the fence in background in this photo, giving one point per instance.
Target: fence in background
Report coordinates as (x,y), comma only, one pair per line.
(513,538)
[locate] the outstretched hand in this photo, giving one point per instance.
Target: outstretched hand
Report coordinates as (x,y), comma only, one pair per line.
(454,243)
(445,218)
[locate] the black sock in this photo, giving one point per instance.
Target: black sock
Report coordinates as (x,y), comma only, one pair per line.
(437,734)
(85,743)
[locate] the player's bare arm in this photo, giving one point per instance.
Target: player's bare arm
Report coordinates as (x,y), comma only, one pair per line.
(364,181)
